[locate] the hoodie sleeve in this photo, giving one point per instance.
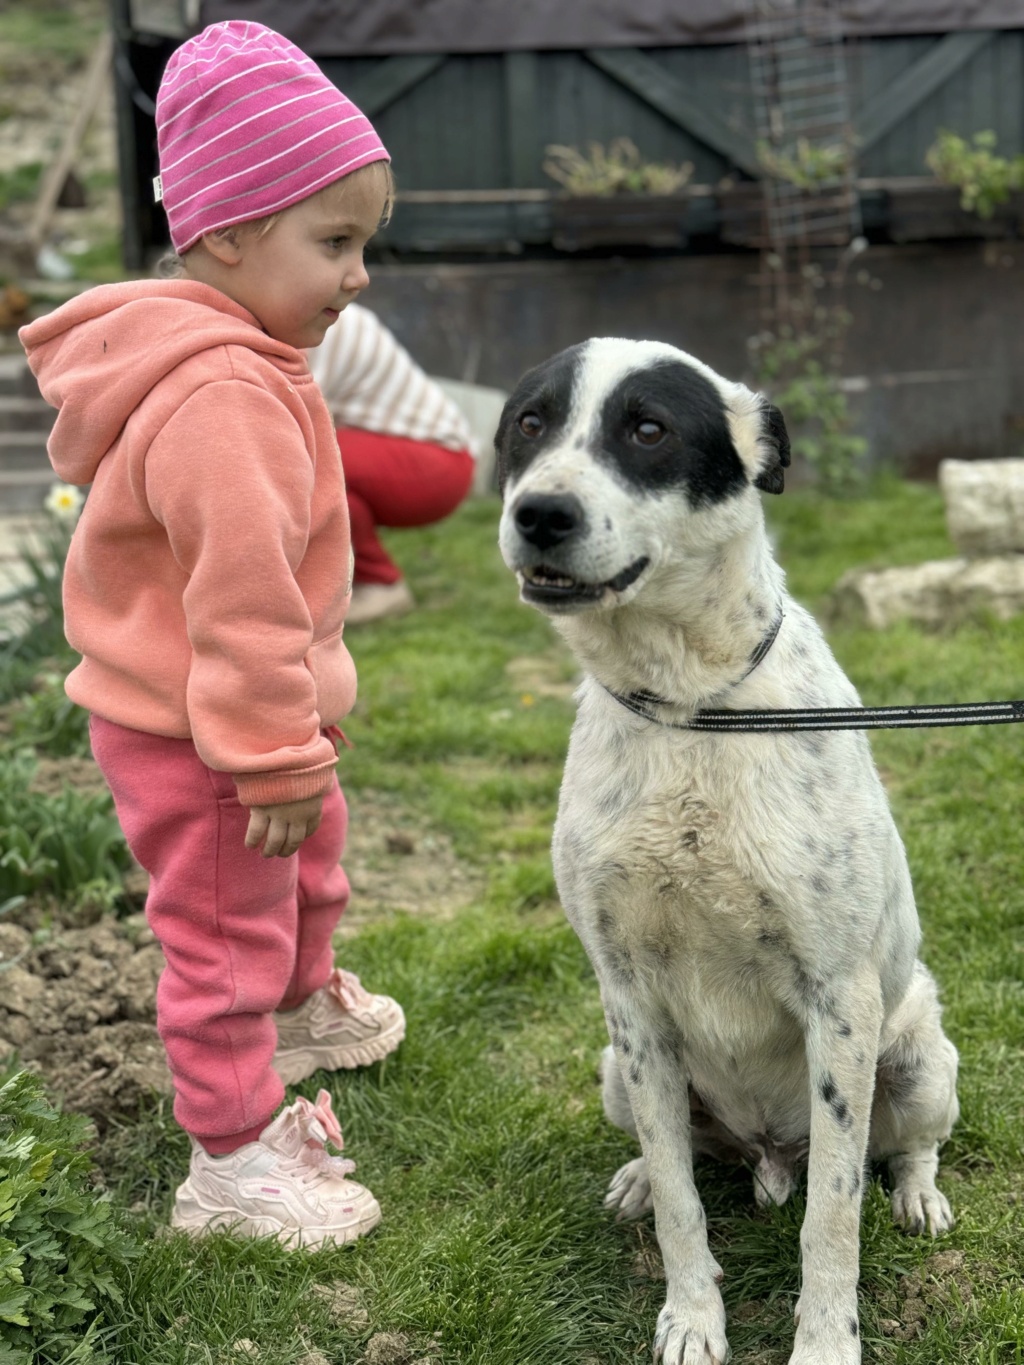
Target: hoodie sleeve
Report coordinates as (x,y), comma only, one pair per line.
(230,478)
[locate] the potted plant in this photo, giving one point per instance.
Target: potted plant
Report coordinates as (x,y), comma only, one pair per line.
(614,198)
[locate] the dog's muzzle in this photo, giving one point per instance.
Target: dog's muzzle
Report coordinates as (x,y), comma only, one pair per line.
(550,524)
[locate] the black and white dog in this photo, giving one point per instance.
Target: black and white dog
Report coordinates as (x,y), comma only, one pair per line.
(744,898)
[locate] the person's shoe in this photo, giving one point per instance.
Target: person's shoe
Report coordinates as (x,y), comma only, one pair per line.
(284,1185)
(374,601)
(340,1026)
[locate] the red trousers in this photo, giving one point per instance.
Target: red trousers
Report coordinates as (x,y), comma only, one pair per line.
(392,481)
(242,935)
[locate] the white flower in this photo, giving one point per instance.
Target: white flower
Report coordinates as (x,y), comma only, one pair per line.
(64,501)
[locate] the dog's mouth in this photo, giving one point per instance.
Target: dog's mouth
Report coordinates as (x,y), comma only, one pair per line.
(547,587)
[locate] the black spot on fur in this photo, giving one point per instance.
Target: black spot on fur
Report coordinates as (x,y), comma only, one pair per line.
(821,885)
(840,1109)
(814,993)
(897,1084)
(854,1330)
(844,1030)
(546,390)
(696,452)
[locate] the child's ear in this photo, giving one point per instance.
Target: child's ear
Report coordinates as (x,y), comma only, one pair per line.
(224,244)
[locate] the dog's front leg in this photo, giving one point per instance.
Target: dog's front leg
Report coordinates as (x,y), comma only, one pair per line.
(691,1326)
(842,1046)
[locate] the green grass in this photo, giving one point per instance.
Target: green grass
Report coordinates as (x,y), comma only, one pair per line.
(59,29)
(483,1136)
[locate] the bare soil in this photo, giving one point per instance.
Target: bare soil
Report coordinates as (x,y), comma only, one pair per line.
(78,1001)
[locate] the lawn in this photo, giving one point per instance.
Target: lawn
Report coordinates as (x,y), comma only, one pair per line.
(483,1136)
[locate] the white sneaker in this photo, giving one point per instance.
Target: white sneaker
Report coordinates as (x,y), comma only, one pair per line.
(373,601)
(284,1185)
(340,1026)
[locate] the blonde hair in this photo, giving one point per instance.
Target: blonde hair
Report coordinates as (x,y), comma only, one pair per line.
(172,266)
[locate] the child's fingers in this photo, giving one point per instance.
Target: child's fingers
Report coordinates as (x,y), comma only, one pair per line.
(284,837)
(259,822)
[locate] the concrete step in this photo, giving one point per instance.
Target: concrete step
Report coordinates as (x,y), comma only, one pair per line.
(24,450)
(24,490)
(25,414)
(16,379)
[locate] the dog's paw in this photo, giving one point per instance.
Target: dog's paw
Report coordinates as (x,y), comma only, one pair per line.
(693,1334)
(630,1191)
(916,1208)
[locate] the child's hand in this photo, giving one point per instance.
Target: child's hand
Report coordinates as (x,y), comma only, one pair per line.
(281,829)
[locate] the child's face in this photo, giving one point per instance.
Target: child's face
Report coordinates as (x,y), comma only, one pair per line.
(298,277)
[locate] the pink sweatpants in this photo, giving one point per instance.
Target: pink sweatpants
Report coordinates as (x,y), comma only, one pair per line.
(242,935)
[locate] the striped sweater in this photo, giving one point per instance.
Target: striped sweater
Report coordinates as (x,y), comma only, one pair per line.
(371,382)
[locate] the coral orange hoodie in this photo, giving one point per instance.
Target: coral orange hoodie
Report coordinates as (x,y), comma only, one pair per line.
(209,575)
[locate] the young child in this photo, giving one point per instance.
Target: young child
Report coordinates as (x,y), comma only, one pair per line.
(206,590)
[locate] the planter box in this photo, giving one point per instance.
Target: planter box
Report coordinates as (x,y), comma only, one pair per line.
(580,223)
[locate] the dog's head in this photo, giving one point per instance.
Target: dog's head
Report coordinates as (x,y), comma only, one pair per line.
(614,456)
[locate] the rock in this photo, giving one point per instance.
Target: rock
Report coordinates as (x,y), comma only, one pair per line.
(21,991)
(984,505)
(932,594)
(388,1348)
(14,941)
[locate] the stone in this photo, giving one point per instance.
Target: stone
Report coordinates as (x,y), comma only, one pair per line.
(984,505)
(21,990)
(932,594)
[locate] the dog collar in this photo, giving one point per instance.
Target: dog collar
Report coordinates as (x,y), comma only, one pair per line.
(823,717)
(638,701)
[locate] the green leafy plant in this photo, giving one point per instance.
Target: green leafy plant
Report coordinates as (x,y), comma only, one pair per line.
(56,844)
(47,718)
(793,366)
(61,1250)
(805,164)
(35,609)
(984,179)
(617,169)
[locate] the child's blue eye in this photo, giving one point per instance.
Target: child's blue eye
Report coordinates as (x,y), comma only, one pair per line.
(336,243)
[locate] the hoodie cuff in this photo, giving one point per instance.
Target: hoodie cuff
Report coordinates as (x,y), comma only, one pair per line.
(274,789)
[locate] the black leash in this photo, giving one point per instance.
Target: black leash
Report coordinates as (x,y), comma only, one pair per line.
(826,717)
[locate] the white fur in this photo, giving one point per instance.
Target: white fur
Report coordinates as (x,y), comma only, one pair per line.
(744,898)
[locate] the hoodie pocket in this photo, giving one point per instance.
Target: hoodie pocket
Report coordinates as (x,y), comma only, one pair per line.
(334,677)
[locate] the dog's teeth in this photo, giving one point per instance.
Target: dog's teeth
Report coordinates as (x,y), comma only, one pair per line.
(544,578)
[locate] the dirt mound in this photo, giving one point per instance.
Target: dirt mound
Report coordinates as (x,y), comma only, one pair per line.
(78,1005)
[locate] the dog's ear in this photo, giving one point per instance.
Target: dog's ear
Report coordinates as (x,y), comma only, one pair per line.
(771,478)
(501,443)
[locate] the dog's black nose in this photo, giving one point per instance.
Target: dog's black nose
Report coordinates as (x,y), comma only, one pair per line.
(546,519)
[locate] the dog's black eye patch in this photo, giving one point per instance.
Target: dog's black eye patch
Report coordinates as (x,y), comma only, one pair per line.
(544,394)
(695,453)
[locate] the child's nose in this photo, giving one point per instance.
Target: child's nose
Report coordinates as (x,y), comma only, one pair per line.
(356,276)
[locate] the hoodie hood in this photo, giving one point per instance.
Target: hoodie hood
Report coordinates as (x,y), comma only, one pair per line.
(97,357)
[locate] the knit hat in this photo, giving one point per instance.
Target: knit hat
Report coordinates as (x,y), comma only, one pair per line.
(247,125)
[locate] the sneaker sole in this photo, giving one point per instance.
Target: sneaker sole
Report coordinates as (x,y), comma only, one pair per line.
(299,1063)
(197,1222)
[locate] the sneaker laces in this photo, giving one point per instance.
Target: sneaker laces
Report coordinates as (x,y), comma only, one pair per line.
(348,990)
(305,1129)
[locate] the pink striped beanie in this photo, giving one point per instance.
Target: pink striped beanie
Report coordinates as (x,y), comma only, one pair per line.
(247,125)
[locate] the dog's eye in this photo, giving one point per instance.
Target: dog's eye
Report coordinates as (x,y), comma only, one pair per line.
(530,424)
(648,433)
